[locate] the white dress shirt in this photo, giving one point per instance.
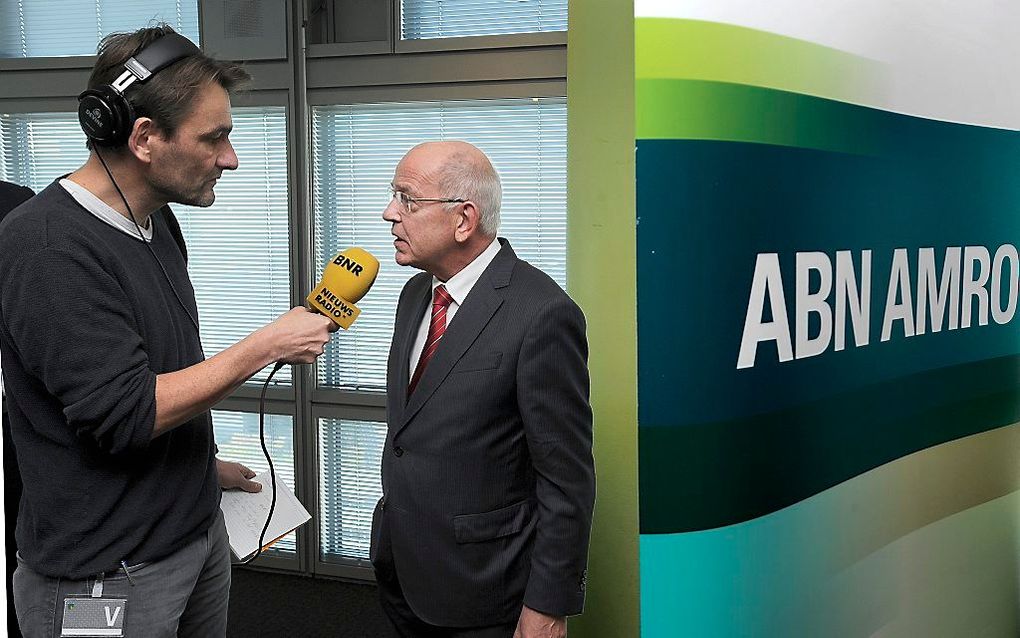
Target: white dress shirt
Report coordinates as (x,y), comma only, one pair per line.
(458,286)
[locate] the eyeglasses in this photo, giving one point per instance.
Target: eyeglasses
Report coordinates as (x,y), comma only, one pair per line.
(406,200)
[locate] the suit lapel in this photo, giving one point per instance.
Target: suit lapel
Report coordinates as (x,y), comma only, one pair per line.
(480,305)
(410,330)
(405,330)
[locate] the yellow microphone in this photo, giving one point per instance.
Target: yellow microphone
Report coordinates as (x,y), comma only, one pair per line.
(344,282)
(346,279)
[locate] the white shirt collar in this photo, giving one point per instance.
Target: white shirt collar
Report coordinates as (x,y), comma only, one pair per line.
(461,284)
(104,211)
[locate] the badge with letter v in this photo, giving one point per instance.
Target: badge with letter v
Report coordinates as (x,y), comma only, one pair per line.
(93,616)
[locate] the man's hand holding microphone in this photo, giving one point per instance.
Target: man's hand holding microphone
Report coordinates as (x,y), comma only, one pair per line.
(295,337)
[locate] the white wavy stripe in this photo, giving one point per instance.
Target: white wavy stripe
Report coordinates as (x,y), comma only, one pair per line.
(952,61)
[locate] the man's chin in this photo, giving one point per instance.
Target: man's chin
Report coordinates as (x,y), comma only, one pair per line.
(204,200)
(403,259)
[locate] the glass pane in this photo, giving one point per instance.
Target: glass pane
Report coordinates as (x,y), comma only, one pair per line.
(37,148)
(238,249)
(237,436)
(35,28)
(351,452)
(424,19)
(354,151)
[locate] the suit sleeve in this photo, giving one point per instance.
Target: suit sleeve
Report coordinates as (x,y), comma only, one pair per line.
(553,394)
(74,330)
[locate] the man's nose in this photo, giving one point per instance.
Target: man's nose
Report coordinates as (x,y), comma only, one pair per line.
(392,211)
(228,159)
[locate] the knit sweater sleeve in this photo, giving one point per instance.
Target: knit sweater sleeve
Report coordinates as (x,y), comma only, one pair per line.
(75,330)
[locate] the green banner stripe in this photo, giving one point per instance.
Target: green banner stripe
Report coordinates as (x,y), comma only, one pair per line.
(693,49)
(737,470)
(702,110)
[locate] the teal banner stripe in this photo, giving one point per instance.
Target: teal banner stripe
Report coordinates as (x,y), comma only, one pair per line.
(784,576)
(721,473)
(706,209)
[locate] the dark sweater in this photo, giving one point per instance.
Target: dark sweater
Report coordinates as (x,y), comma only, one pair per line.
(87,321)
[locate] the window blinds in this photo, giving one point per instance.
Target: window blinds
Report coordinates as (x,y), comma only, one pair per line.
(349,486)
(34,28)
(237,437)
(238,248)
(425,19)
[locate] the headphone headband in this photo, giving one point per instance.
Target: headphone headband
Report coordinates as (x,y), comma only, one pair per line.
(161,54)
(104,113)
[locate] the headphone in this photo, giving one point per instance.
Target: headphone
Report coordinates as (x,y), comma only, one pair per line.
(104,113)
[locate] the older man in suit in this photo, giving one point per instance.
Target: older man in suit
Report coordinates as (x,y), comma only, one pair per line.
(488,477)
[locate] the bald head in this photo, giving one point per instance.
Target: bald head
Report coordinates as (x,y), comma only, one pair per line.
(462,171)
(451,211)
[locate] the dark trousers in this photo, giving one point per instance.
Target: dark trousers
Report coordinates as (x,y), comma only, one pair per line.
(408,625)
(182,595)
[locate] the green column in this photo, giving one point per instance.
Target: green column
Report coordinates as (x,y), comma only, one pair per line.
(601,277)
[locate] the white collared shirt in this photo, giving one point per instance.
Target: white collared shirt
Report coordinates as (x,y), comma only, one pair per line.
(458,286)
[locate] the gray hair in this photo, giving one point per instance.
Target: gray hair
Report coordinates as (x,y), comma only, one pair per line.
(465,176)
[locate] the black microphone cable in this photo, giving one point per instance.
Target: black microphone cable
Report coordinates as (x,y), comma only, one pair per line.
(265,386)
(272,470)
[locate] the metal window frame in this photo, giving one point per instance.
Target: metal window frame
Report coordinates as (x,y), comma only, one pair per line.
(341,568)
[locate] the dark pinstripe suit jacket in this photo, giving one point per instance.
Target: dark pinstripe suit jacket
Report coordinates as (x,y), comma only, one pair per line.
(488,477)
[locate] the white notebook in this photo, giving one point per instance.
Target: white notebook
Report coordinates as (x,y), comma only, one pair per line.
(245,515)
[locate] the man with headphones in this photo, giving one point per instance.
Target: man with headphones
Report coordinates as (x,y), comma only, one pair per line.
(109,392)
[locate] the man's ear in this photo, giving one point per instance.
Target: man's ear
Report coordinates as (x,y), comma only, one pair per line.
(143,135)
(469,221)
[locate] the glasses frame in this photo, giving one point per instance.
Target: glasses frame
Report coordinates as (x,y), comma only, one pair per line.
(405,200)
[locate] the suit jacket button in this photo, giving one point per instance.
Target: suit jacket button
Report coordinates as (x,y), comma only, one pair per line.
(399,451)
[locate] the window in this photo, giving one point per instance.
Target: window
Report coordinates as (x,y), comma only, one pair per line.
(37,148)
(355,149)
(237,250)
(349,486)
(426,19)
(34,28)
(237,437)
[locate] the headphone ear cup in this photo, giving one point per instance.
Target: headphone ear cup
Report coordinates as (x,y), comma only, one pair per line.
(105,116)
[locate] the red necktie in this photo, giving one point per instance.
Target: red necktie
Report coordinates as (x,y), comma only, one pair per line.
(440,302)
